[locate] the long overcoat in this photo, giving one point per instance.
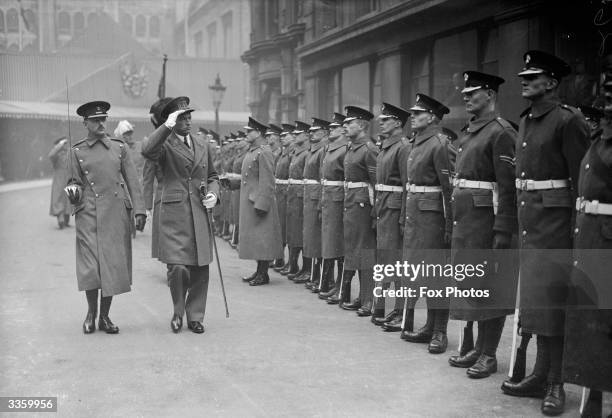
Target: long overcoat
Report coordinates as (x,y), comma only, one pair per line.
(152,181)
(59,200)
(552,140)
(312,201)
(260,233)
(281,172)
(359,234)
(184,234)
(103,218)
(332,200)
(485,153)
(237,170)
(295,198)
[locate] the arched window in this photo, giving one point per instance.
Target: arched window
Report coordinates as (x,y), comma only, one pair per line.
(79,22)
(64,23)
(126,23)
(12,21)
(154,27)
(141,26)
(1,21)
(91,19)
(31,22)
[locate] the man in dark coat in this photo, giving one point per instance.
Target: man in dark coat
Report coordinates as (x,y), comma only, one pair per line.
(332,208)
(359,223)
(281,174)
(242,147)
(260,232)
(552,140)
(484,218)
(60,206)
(426,216)
(272,136)
(390,177)
(101,169)
(184,232)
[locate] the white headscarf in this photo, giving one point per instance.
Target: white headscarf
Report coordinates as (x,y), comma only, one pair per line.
(123,127)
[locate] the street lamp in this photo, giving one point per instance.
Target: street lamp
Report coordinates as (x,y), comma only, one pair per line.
(218,90)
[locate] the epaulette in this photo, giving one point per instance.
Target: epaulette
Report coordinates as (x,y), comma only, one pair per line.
(525,112)
(571,109)
(405,141)
(504,123)
(79,142)
(371,145)
(444,140)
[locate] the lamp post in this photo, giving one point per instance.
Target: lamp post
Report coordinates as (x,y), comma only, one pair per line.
(218,90)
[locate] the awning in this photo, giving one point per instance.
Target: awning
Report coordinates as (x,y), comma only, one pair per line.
(58,111)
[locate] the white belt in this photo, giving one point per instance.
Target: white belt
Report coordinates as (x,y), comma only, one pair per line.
(593,207)
(472,184)
(386,188)
(294,181)
(332,183)
(311,181)
(280,181)
(527,185)
(360,184)
(413,188)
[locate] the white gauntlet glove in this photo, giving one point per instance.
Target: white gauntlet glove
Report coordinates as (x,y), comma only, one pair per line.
(172,117)
(210,200)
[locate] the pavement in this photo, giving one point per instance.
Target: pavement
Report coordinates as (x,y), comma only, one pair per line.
(282,352)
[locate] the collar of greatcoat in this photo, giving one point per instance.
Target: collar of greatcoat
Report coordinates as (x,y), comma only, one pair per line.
(393,139)
(104,141)
(338,143)
(476,124)
(301,148)
(539,109)
(359,142)
(429,132)
(316,146)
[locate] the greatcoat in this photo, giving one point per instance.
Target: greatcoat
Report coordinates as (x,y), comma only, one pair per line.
(312,201)
(332,199)
(59,200)
(295,198)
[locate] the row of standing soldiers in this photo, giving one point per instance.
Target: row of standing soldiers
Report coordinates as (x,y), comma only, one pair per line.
(348,203)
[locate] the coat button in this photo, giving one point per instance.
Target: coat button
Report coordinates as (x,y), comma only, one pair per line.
(522,203)
(586,167)
(86,172)
(523,174)
(460,149)
(80,161)
(452,199)
(575,262)
(454,222)
(97,195)
(524,232)
(524,144)
(92,183)
(531,115)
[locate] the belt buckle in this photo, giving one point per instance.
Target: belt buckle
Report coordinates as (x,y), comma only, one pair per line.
(529,185)
(595,207)
(462,183)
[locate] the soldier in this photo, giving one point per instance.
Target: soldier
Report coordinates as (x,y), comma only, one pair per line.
(260,233)
(390,176)
(586,360)
(273,140)
(60,206)
(552,140)
(281,174)
(227,193)
(100,169)
(295,204)
(332,208)
(242,148)
(184,234)
(359,234)
(426,218)
(593,117)
(312,206)
(484,217)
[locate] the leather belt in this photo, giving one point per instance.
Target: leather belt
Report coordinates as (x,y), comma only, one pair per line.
(332,182)
(413,188)
(280,181)
(310,181)
(593,207)
(295,181)
(473,184)
(360,184)
(387,188)
(527,185)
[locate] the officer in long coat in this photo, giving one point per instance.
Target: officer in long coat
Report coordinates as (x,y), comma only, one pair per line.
(272,137)
(312,206)
(281,174)
(101,169)
(190,186)
(332,208)
(390,175)
(484,218)
(586,359)
(552,140)
(426,216)
(60,206)
(359,233)
(260,234)
(295,204)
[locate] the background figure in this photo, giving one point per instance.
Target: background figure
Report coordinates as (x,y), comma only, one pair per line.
(125,132)
(60,206)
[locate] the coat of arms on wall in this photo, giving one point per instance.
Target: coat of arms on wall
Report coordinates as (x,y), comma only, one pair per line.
(134,79)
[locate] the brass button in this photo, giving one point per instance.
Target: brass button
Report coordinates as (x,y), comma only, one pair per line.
(524,144)
(522,203)
(523,174)
(524,232)
(587,167)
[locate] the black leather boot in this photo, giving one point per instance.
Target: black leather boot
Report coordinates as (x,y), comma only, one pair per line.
(66,220)
(330,288)
(104,322)
(292,263)
(467,344)
(305,266)
(304,274)
(554,400)
(423,334)
(89,325)
(532,386)
(261,277)
(485,366)
(344,292)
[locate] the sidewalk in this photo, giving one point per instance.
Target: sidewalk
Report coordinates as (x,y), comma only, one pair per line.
(24,185)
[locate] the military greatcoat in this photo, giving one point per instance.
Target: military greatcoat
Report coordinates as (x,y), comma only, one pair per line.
(295,198)
(59,200)
(332,199)
(312,201)
(281,172)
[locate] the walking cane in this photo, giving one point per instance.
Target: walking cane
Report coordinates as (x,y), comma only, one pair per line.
(203,191)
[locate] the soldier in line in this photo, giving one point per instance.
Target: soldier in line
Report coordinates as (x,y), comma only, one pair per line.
(359,224)
(312,207)
(426,216)
(484,218)
(390,177)
(60,206)
(332,208)
(295,205)
(190,187)
(593,117)
(552,140)
(242,148)
(260,235)
(227,194)
(272,138)
(281,174)
(101,169)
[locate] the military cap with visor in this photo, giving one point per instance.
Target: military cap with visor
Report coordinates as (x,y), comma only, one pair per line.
(92,110)
(389,111)
(424,103)
(540,62)
(474,80)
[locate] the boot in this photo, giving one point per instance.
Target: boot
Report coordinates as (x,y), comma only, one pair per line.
(303,275)
(469,359)
(344,290)
(261,276)
(279,263)
(305,266)
(422,335)
(292,263)
(66,220)
(330,288)
(252,276)
(593,406)
(226,231)
(318,277)
(60,222)
(554,400)
(346,296)
(409,319)
(439,340)
(485,366)
(104,322)
(89,325)
(467,344)
(366,284)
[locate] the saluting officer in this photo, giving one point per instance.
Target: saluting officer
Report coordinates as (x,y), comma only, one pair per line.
(426,216)
(332,208)
(552,140)
(390,176)
(359,223)
(281,174)
(484,218)
(101,169)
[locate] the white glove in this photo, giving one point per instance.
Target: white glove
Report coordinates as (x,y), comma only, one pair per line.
(172,117)
(74,193)
(210,200)
(149,214)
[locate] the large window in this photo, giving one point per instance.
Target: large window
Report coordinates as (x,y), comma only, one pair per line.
(228,42)
(211,30)
(79,22)
(154,27)
(126,22)
(356,85)
(30,21)
(141,26)
(198,41)
(63,23)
